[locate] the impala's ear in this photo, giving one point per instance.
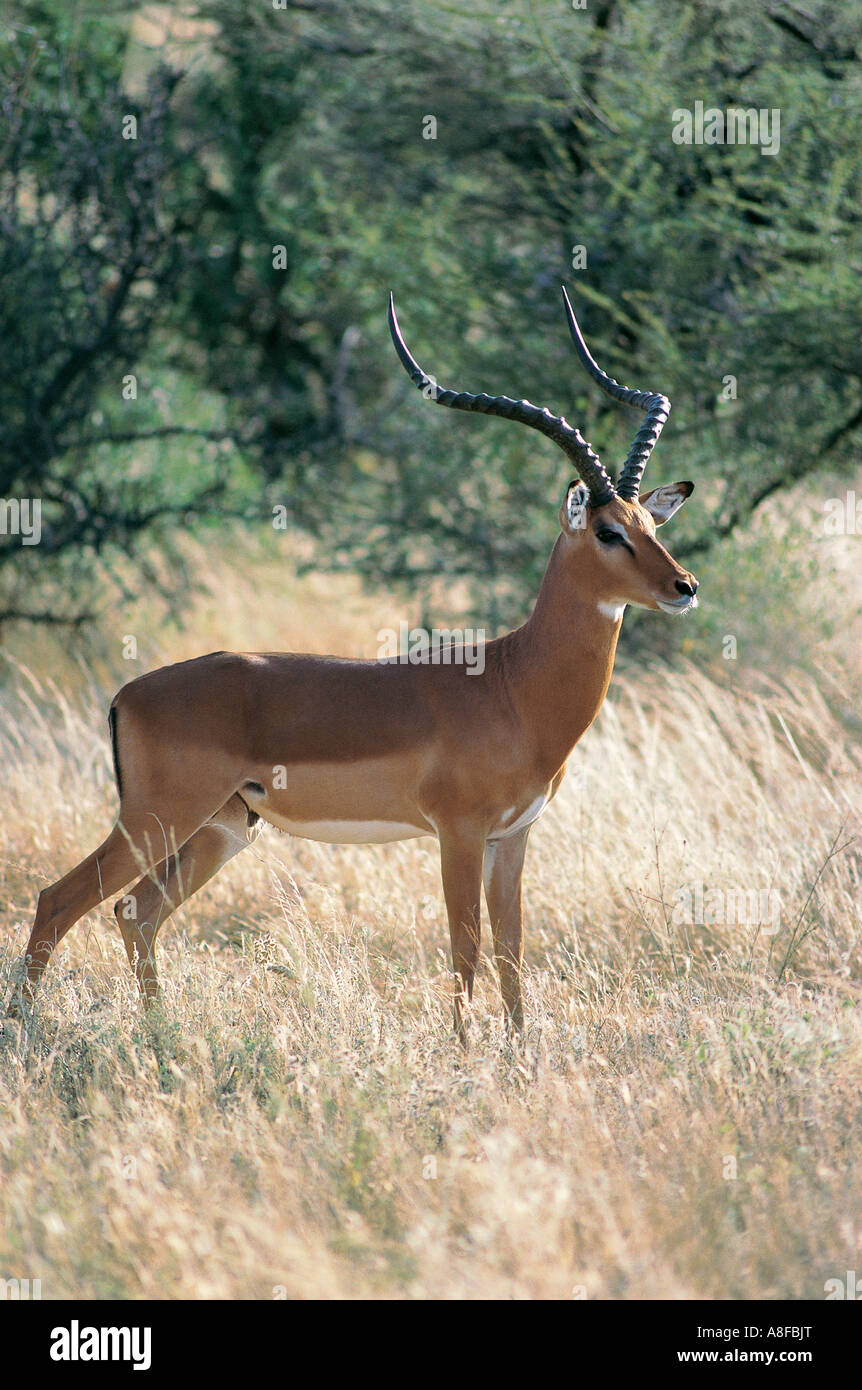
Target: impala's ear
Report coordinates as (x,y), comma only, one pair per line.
(662,502)
(573,513)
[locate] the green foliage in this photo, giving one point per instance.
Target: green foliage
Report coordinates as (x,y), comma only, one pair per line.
(305,128)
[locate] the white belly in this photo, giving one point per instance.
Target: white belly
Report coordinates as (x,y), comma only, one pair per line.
(344,832)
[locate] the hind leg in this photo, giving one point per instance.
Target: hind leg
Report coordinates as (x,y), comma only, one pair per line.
(147,906)
(137,840)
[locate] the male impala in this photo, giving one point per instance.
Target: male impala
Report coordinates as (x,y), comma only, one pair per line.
(367,751)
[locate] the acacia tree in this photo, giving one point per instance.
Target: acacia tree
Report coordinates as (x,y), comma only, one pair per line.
(90,252)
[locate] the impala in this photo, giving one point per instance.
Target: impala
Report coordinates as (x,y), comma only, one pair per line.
(368,751)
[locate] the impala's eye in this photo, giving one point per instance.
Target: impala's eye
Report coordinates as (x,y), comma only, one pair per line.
(608,537)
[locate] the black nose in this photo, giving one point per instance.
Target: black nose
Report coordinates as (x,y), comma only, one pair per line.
(685,588)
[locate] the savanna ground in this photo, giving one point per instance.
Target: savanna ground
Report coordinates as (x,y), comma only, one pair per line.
(681,1121)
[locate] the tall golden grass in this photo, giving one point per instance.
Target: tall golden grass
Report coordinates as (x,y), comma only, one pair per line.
(681,1120)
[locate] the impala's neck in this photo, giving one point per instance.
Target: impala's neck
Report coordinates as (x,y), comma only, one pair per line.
(559,664)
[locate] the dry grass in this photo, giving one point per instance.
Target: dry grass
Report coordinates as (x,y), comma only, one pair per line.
(681,1121)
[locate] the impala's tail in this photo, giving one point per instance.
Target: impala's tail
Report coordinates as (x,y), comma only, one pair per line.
(112,725)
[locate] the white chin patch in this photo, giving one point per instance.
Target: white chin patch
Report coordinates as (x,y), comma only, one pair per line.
(614,611)
(677,607)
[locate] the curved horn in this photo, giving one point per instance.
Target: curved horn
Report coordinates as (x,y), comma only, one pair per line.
(657,410)
(587,462)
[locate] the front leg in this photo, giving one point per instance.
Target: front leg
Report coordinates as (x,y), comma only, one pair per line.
(461,850)
(504,866)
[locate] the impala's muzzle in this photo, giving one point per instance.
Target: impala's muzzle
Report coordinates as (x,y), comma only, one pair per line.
(687,597)
(683,605)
